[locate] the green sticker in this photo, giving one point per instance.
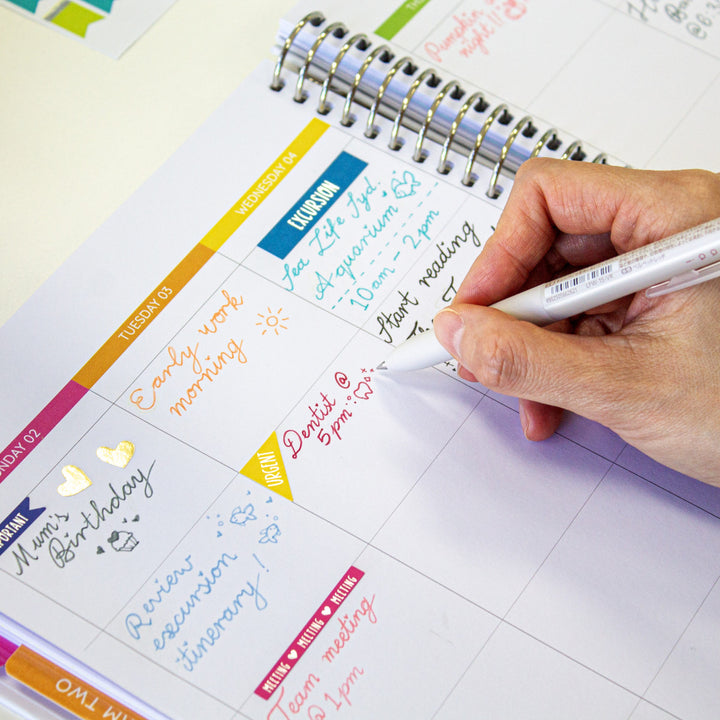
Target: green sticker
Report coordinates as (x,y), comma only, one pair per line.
(73,17)
(400,18)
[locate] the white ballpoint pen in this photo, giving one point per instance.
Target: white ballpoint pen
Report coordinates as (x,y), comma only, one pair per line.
(679,261)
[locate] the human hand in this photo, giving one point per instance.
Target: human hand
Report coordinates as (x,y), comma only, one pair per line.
(647,368)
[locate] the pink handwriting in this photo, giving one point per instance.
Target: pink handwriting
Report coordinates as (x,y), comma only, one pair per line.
(294,706)
(343,696)
(349,623)
(328,419)
(294,439)
(472,30)
(297,649)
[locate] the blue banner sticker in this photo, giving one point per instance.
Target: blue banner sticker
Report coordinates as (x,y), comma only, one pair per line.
(29,5)
(319,198)
(17,522)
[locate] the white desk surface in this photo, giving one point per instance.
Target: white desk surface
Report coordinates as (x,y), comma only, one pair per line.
(79,132)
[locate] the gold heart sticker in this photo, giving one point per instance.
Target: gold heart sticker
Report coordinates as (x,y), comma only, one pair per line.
(120,456)
(75,481)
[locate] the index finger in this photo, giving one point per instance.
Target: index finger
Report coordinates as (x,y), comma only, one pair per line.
(547,198)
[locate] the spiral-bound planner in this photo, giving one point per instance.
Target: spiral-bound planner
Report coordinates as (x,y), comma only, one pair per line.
(476,127)
(213,506)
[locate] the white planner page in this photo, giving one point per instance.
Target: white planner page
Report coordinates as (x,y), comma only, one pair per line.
(216,506)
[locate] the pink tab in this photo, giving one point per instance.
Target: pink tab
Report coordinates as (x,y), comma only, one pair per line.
(7,648)
(307,635)
(35,432)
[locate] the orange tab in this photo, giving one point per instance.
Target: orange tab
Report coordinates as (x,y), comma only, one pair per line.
(142,316)
(64,689)
(266,467)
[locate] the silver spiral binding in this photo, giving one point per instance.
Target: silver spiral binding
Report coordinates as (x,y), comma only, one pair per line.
(393,143)
(492,191)
(314,18)
(323,108)
(449,87)
(345,119)
(494,147)
(548,137)
(300,95)
(443,167)
(370,131)
(467,178)
(571,150)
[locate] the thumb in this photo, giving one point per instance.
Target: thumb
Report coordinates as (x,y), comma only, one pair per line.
(592,376)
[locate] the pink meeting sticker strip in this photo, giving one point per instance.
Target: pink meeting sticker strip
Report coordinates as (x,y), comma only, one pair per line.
(307,635)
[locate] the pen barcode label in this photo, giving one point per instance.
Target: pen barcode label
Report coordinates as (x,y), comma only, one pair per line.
(568,285)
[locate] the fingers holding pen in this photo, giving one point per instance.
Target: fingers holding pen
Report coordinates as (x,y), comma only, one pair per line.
(645,367)
(561,215)
(545,210)
(550,369)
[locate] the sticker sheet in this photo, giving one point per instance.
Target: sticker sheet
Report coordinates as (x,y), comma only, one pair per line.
(109,26)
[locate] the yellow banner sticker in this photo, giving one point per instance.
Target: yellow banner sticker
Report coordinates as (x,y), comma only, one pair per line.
(267,468)
(265,184)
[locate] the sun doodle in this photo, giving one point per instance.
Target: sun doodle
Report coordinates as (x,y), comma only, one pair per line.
(272,321)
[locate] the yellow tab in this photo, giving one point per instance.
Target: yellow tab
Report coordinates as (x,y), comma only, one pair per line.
(63,688)
(267,468)
(265,184)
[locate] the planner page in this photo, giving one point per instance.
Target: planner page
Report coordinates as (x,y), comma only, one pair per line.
(216,506)
(640,79)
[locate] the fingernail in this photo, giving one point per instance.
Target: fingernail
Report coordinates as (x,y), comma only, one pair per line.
(449,326)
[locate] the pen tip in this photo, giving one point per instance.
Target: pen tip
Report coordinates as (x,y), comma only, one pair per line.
(382,366)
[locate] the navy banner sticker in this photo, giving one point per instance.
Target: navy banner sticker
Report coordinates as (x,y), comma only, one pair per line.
(17,522)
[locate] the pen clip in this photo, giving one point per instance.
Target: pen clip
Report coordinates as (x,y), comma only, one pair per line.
(685,280)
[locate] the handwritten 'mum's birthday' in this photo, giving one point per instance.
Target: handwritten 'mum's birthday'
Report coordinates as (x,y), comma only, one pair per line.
(205,367)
